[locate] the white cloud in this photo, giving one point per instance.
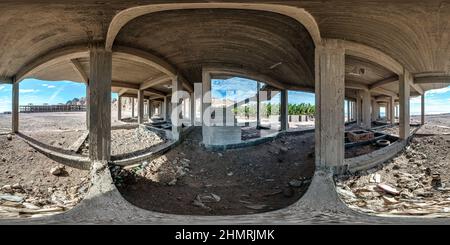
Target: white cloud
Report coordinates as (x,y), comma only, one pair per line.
(48,86)
(28,90)
(2,87)
(439,91)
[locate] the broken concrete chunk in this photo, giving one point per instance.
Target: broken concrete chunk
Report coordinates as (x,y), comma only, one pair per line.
(11,198)
(388,189)
(375,178)
(57,171)
(209,197)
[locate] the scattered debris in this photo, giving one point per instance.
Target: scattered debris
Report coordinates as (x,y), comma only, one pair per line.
(9,137)
(388,189)
(58,170)
(413,183)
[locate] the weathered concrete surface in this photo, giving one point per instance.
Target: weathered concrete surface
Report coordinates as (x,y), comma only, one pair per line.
(100,103)
(330,93)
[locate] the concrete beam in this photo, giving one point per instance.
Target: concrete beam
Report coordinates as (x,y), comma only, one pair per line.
(416,87)
(419,79)
(154,91)
(356,85)
(122,92)
(330,93)
(384,91)
(100,103)
(118,84)
(404,116)
(153,81)
(384,82)
(52,58)
(78,68)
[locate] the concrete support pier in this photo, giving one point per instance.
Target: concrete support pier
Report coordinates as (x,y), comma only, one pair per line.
(119,108)
(150,110)
(15,107)
(366,115)
(392,110)
(284,121)
(330,92)
(132,107)
(358,109)
(176,116)
(422,107)
(404,116)
(100,103)
(140,106)
(258,105)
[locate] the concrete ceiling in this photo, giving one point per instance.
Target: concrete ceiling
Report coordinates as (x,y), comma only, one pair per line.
(253,40)
(414,33)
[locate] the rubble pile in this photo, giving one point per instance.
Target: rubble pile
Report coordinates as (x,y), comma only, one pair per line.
(20,201)
(416,182)
(160,170)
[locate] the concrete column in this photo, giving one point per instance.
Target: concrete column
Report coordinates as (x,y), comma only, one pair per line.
(192,116)
(164,109)
(348,111)
(176,114)
(206,102)
(87,105)
(422,107)
(140,106)
(15,107)
(284,121)
(330,92)
(132,107)
(150,110)
(198,88)
(404,116)
(247,116)
(119,108)
(167,109)
(258,104)
(358,109)
(100,103)
(392,110)
(366,115)
(374,110)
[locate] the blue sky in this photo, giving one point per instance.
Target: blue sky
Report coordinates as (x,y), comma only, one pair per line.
(241,88)
(39,92)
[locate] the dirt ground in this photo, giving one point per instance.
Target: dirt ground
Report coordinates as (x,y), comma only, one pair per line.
(27,186)
(415,182)
(191,180)
(124,141)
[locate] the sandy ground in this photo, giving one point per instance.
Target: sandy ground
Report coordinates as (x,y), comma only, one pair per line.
(124,141)
(415,182)
(25,174)
(190,180)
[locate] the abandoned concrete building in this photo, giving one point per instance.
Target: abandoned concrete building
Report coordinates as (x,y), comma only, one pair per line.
(366,55)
